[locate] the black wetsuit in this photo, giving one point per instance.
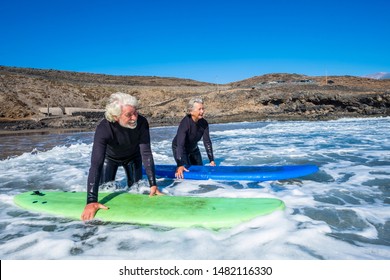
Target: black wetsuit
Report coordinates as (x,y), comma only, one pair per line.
(185,144)
(116,146)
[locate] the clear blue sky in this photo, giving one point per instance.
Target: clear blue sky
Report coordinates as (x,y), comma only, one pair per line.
(212,41)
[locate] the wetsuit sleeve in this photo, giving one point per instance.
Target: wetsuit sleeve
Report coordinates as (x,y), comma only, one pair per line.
(97,161)
(148,162)
(147,155)
(181,135)
(207,144)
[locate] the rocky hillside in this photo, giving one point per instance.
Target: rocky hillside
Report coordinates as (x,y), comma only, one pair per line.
(24,91)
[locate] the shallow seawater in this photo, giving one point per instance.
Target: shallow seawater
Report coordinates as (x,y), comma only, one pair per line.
(341,212)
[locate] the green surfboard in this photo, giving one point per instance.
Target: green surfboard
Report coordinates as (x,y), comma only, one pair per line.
(169,211)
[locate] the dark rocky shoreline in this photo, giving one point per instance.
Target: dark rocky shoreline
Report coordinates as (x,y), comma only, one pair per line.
(290,108)
(72,124)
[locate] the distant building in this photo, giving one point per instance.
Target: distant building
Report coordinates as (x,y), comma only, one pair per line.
(68,111)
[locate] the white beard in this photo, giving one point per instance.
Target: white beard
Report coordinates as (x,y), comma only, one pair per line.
(128,125)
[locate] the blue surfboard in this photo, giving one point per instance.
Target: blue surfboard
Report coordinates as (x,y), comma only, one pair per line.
(244,173)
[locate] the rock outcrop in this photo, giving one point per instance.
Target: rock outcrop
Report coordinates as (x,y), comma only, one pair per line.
(24,92)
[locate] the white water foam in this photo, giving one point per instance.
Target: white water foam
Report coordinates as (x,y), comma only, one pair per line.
(341,212)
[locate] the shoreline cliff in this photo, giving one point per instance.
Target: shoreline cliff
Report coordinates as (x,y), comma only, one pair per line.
(38,100)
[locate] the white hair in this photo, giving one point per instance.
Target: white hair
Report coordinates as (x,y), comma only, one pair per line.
(115,103)
(193,100)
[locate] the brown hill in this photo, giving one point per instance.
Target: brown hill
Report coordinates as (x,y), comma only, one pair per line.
(24,92)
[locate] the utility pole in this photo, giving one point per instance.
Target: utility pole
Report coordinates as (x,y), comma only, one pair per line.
(326,77)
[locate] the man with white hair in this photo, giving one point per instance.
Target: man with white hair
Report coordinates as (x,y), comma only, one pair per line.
(121,139)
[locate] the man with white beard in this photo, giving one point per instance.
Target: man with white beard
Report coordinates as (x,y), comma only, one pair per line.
(121,139)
